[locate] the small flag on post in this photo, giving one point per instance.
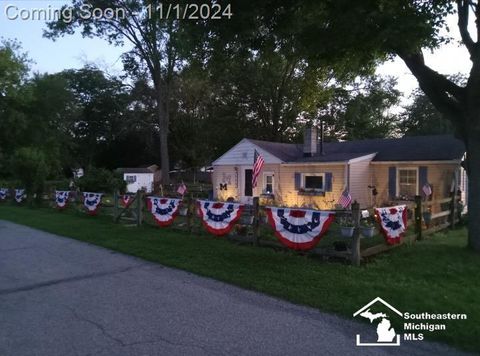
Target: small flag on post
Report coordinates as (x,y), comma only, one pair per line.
(258,163)
(345,199)
(182,189)
(427,190)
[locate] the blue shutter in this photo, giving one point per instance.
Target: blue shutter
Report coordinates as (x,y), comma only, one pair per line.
(298,181)
(328,181)
(392,182)
(422,178)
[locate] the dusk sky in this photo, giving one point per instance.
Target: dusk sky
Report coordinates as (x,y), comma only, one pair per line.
(75,51)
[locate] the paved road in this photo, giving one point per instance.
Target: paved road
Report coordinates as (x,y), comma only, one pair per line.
(63,297)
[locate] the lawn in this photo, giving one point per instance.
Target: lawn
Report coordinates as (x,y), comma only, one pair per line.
(437,275)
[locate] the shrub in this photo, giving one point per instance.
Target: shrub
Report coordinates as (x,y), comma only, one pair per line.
(100,180)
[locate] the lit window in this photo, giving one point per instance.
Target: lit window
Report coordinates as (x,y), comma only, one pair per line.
(267,183)
(314,182)
(407,182)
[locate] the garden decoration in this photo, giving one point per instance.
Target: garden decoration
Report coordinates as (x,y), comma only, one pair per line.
(299,229)
(393,222)
(61,198)
(219,218)
(19,195)
(164,210)
(3,193)
(92,201)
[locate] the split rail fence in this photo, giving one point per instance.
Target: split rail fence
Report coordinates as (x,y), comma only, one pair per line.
(425,218)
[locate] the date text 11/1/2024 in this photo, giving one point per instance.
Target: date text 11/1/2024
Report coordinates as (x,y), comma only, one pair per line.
(190,11)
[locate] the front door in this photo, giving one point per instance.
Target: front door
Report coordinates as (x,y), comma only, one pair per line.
(248,191)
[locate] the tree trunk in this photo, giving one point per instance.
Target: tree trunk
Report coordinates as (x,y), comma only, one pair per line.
(163,122)
(473,171)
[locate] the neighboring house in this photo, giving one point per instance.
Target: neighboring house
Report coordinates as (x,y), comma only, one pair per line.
(302,175)
(141,178)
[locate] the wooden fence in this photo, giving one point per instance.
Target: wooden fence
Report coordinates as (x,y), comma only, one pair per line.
(425,218)
(421,223)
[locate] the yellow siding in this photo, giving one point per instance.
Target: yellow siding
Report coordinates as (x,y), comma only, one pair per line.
(439,176)
(284,184)
(286,195)
(228,175)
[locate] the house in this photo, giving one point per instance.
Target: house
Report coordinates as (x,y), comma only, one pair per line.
(141,178)
(376,171)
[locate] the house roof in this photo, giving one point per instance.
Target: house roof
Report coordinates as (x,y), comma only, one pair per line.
(412,148)
(134,170)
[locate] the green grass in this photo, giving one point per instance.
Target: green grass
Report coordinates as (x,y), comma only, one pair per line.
(438,275)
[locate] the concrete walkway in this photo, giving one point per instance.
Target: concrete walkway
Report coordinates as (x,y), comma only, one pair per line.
(63,297)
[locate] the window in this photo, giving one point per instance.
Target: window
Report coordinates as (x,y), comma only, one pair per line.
(313,181)
(267,183)
(407,182)
(130,179)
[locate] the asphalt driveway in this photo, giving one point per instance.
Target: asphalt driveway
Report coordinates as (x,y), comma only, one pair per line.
(63,297)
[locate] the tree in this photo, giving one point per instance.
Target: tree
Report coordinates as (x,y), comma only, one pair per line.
(366,32)
(362,110)
(155,43)
(422,118)
(13,99)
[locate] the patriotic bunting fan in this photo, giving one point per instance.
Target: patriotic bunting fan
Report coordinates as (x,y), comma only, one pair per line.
(219,218)
(92,201)
(61,198)
(164,210)
(126,200)
(299,229)
(3,193)
(19,195)
(393,222)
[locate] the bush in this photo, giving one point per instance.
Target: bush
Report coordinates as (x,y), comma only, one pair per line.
(31,166)
(100,180)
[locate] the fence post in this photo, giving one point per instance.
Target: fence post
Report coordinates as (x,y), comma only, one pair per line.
(115,205)
(453,207)
(453,211)
(139,207)
(356,256)
(418,217)
(190,213)
(256,220)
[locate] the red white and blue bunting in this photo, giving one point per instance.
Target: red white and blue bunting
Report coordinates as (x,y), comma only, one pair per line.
(164,210)
(61,198)
(19,195)
(126,200)
(92,201)
(393,222)
(299,229)
(3,193)
(219,218)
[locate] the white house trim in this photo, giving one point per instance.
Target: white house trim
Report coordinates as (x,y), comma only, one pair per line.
(363,158)
(245,147)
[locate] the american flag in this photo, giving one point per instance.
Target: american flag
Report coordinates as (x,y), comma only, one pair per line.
(258,163)
(345,198)
(182,189)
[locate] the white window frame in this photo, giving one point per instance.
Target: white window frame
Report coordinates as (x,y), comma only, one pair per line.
(131,175)
(264,185)
(407,169)
(304,175)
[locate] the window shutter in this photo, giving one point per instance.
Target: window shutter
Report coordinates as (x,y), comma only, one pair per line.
(422,178)
(392,182)
(328,181)
(298,181)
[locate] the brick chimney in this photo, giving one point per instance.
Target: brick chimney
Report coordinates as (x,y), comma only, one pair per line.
(310,142)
